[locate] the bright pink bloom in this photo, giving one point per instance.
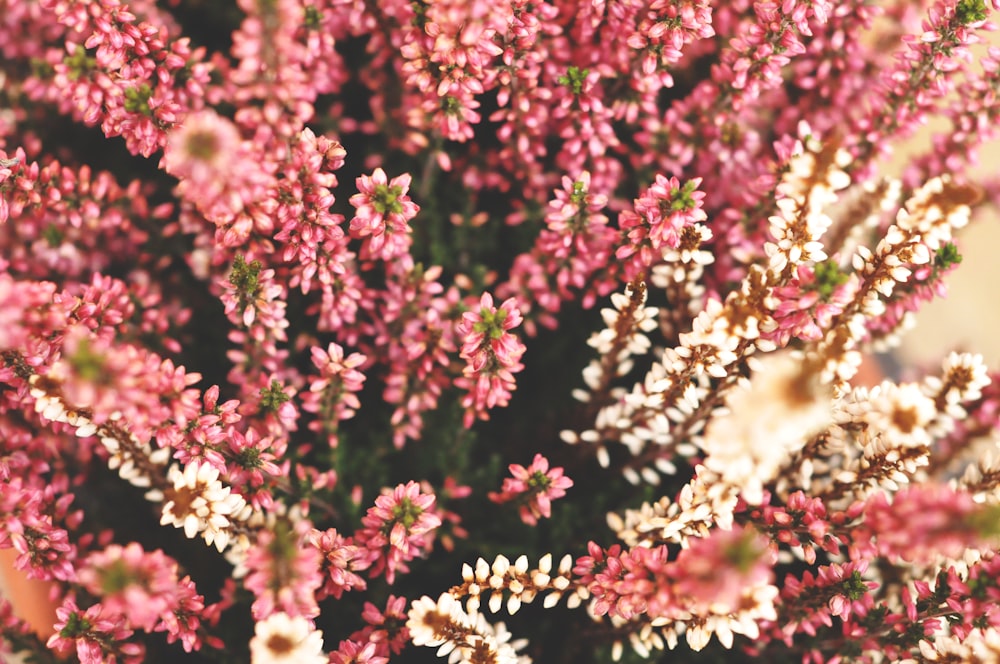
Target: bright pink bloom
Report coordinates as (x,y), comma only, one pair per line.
(655,222)
(98,635)
(333,394)
(715,570)
(386,629)
(342,559)
(492,354)
(533,488)
(923,522)
(256,299)
(399,528)
(216,173)
(354,652)
(382,216)
(284,574)
(807,304)
(835,590)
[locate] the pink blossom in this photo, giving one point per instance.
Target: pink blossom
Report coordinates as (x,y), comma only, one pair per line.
(386,629)
(715,570)
(492,355)
(133,583)
(283,574)
(808,303)
(533,488)
(342,559)
(353,652)
(922,522)
(655,222)
(383,213)
(332,395)
(398,528)
(97,635)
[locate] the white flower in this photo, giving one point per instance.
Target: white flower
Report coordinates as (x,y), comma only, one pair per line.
(282,639)
(772,417)
(462,637)
(427,617)
(199,503)
(963,377)
(901,413)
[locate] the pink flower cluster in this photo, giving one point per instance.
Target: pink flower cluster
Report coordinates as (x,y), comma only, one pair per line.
(399,528)
(492,353)
(715,575)
(533,489)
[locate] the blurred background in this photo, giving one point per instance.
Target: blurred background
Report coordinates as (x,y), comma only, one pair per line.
(969,318)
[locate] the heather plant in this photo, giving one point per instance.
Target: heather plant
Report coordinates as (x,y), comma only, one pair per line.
(353,331)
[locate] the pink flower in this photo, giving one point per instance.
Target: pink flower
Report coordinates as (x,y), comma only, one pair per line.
(207,155)
(255,298)
(533,488)
(656,220)
(807,304)
(399,528)
(383,210)
(333,394)
(386,629)
(138,585)
(353,652)
(284,574)
(923,522)
(492,354)
(253,465)
(715,570)
(98,635)
(342,559)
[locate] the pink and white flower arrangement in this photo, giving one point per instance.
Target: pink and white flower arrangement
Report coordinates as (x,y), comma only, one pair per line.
(291,289)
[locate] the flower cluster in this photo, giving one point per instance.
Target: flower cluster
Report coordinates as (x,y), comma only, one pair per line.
(291,289)
(533,488)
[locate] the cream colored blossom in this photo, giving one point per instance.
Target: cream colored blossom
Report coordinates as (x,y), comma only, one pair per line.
(769,418)
(282,639)
(198,502)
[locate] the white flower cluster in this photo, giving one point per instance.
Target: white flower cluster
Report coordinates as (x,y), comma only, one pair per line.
(767,419)
(805,192)
(923,225)
(520,583)
(883,435)
(283,639)
(982,477)
(130,456)
(623,336)
(465,638)
(679,276)
(887,266)
(862,212)
(197,501)
(963,377)
(702,504)
(935,210)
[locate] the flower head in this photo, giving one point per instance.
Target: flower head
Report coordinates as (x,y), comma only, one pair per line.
(197,501)
(534,488)
(399,528)
(282,639)
(383,213)
(139,585)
